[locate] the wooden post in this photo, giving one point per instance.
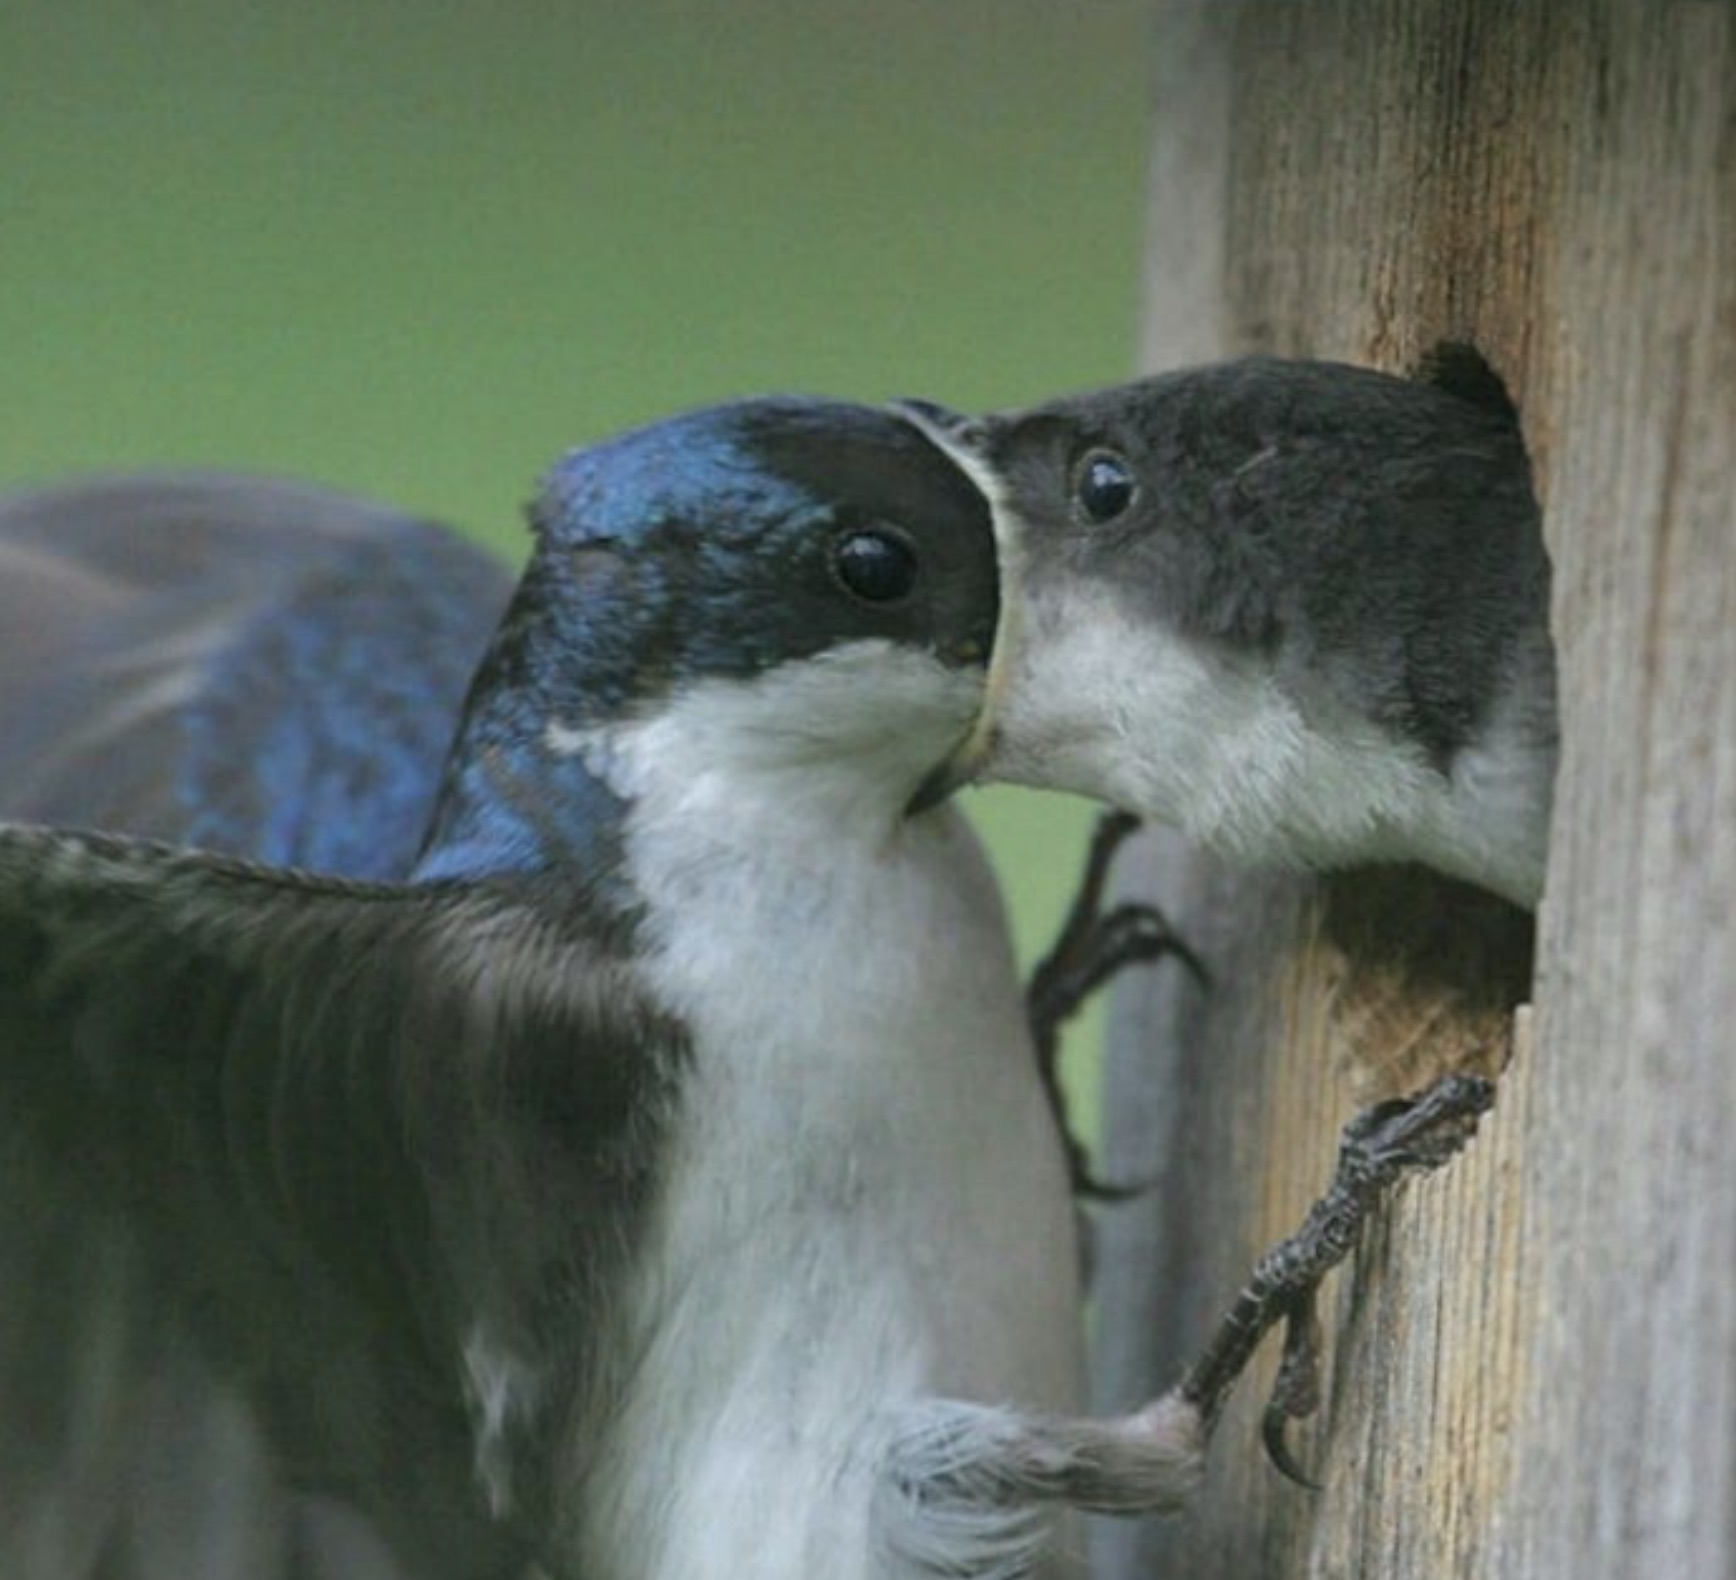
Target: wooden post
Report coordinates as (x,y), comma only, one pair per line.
(1535,1352)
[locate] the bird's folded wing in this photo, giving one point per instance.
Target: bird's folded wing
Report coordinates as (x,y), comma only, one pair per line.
(349,1139)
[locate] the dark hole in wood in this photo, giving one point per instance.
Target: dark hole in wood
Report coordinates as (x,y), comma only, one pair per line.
(1442,939)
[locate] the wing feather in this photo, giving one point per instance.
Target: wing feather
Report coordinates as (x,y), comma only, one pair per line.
(337,1129)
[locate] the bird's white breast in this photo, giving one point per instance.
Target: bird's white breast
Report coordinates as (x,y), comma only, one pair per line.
(864,1204)
(1128,710)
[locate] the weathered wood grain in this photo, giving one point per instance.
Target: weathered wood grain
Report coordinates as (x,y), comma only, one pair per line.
(1536,1352)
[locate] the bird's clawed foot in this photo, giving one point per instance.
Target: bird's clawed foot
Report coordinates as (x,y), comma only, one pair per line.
(1094,944)
(959,1473)
(1380,1146)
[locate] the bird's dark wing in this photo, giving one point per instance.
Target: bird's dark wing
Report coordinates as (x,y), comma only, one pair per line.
(299,1176)
(237,663)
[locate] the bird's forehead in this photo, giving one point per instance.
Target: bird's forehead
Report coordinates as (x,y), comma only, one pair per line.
(1221,410)
(745,473)
(1140,415)
(698,470)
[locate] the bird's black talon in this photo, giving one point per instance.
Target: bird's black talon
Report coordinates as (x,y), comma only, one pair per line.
(1084,917)
(1090,1186)
(1274,1430)
(1135,932)
(1124,936)
(1379,1147)
(1094,944)
(1296,1389)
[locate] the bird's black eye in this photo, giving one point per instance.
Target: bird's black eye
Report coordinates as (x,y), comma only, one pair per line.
(876,566)
(1103,484)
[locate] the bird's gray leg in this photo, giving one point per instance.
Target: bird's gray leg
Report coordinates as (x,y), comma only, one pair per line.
(1093,945)
(1380,1146)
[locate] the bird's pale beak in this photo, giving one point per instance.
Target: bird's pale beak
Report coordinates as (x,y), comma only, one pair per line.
(964,441)
(953,774)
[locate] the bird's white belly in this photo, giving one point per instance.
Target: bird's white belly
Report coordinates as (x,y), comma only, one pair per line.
(865,1206)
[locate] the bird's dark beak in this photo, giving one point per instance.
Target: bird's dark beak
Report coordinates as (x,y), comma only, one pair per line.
(965,441)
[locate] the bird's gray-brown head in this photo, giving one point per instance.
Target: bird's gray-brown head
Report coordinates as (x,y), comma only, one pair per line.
(794,589)
(1280,604)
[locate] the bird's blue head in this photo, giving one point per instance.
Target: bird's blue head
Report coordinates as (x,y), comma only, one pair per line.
(779,584)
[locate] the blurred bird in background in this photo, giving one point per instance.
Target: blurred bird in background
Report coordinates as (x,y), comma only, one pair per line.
(254,667)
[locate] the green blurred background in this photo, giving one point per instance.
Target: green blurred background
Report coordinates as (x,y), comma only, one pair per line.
(417,248)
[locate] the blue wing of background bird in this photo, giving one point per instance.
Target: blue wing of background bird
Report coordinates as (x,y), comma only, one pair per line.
(267,670)
(254,667)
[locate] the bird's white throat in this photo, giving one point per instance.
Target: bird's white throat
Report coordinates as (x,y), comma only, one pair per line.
(865,1203)
(1104,703)
(836,740)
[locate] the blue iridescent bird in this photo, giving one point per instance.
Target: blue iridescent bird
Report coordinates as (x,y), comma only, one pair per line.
(246,665)
(636,1168)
